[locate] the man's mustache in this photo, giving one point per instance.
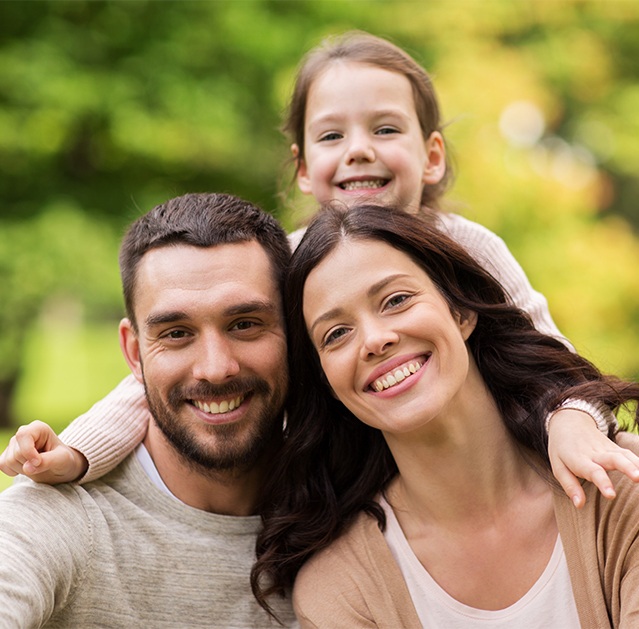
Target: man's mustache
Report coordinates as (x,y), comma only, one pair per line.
(203,390)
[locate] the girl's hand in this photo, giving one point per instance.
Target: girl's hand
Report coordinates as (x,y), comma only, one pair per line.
(37,452)
(577,448)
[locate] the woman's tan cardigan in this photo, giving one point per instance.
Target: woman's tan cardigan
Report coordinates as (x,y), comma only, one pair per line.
(356,583)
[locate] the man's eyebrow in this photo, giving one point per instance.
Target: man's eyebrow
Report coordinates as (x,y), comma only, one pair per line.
(257,305)
(249,307)
(165,317)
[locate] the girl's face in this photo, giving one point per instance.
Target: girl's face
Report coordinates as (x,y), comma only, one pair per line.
(390,347)
(363,140)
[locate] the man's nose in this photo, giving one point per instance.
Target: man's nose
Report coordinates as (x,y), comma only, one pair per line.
(215,360)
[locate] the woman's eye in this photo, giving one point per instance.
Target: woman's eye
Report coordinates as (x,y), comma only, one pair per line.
(334,335)
(396,300)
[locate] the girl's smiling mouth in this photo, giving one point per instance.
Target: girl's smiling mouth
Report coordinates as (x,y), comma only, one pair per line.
(364,184)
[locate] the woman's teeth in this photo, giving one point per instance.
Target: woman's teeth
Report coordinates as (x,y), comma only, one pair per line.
(223,407)
(396,376)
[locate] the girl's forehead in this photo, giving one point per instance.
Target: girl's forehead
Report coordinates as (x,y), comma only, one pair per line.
(352,67)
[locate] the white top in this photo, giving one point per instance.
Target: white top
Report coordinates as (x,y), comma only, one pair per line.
(548,604)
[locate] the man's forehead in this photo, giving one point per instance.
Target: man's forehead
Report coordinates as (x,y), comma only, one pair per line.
(205,272)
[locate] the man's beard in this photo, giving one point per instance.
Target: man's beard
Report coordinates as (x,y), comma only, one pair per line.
(232,447)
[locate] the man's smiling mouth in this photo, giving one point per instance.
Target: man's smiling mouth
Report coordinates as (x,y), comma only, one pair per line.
(215,408)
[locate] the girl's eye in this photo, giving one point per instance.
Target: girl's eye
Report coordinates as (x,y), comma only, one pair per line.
(334,335)
(327,137)
(386,131)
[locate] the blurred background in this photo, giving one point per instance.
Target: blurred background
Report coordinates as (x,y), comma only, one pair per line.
(108,108)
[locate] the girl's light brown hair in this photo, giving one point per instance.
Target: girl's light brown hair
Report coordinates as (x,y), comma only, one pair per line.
(361,47)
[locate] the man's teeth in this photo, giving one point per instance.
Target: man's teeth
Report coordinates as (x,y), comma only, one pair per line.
(223,407)
(396,376)
(361,185)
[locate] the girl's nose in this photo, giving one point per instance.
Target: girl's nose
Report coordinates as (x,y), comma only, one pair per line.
(360,150)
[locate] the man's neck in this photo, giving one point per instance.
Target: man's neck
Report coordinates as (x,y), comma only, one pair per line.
(230,492)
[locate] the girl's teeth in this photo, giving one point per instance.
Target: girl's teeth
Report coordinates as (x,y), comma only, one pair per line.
(360,185)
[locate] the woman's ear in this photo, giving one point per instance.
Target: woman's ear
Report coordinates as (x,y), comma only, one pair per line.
(467,321)
(303,180)
(435,167)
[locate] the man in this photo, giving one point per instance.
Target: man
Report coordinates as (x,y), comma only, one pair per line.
(167,538)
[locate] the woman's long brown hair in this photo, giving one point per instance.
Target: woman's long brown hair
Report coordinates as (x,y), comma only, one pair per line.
(333,466)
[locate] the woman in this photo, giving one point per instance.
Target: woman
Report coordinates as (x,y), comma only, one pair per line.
(414,375)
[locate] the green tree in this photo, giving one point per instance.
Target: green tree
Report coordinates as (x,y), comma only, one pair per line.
(109,107)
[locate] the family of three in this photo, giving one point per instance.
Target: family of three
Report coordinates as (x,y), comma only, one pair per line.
(410,483)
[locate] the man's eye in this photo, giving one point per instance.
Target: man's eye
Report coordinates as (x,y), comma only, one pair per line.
(244,325)
(176,334)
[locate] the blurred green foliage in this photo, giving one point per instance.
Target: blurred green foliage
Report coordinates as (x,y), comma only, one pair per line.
(107,108)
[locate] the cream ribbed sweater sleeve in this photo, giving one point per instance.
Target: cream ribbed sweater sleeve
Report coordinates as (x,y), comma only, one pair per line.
(110,429)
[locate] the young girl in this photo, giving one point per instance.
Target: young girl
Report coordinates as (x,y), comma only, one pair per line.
(365,124)
(414,485)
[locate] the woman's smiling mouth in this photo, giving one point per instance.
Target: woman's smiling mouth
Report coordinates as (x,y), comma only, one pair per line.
(398,374)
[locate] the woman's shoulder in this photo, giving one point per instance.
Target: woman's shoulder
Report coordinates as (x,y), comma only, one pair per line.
(355,582)
(620,515)
(345,554)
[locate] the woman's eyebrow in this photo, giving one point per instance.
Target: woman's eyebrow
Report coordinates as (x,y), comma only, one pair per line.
(373,290)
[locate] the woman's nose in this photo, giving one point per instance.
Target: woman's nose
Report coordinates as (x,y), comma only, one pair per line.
(377,339)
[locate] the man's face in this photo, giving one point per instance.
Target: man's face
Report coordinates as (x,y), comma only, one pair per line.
(210,350)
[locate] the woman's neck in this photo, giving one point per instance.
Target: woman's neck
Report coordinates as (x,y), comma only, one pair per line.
(463,464)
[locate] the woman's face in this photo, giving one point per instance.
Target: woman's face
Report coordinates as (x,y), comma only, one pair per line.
(390,347)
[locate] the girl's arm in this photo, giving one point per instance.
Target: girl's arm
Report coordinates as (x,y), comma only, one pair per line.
(577,446)
(92,445)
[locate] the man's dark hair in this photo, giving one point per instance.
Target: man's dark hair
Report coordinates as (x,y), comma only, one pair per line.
(200,220)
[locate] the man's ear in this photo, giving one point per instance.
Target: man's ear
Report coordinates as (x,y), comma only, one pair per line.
(467,321)
(303,180)
(130,346)
(435,167)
